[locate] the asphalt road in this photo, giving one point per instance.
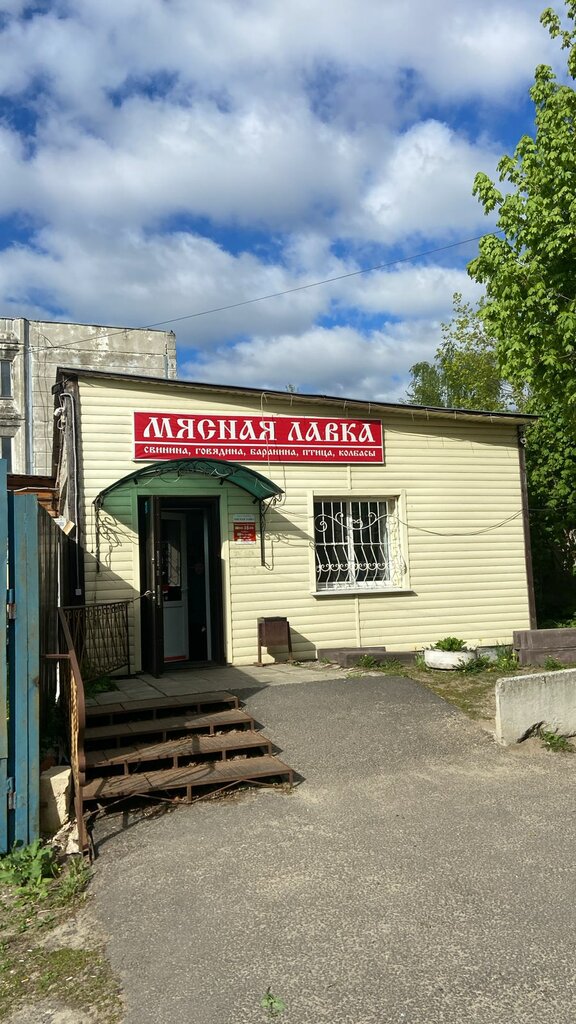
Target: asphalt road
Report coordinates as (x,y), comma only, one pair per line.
(419,874)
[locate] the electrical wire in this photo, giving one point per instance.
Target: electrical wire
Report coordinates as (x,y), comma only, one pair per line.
(328,280)
(472,533)
(286,291)
(421,529)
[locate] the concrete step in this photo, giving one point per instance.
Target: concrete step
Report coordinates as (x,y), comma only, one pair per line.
(347,657)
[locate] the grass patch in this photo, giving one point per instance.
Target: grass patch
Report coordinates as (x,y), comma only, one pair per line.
(75,978)
(471,688)
(471,692)
(552,664)
(30,914)
(102,684)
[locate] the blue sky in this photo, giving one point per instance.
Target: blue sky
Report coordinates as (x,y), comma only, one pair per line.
(164,157)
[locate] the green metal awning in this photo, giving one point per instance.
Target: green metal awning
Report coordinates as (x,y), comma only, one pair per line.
(260,487)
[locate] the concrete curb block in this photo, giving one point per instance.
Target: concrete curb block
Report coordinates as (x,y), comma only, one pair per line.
(525,701)
(55,798)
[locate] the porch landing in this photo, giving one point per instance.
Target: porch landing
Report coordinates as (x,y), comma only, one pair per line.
(181,683)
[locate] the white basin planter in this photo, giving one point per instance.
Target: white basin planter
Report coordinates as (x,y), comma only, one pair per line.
(447,660)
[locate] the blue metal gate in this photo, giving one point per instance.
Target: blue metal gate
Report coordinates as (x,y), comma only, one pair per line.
(19,669)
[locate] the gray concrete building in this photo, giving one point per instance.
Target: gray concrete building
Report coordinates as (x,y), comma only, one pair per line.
(31,351)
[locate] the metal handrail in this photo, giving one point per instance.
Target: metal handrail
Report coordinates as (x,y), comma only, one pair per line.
(100,636)
(73,701)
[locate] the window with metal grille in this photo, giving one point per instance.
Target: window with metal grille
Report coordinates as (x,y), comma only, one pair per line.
(352,544)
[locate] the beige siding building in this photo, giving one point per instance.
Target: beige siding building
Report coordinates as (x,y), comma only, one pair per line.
(210,507)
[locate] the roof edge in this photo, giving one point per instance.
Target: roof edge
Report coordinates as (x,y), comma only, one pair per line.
(422,411)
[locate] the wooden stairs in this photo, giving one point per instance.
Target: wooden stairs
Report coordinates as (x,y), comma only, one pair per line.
(175,748)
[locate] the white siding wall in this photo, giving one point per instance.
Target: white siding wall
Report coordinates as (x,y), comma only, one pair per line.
(458,482)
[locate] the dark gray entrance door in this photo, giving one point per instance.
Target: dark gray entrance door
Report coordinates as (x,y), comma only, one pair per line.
(180,566)
(150,576)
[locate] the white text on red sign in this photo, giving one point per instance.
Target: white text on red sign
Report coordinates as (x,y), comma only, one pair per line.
(162,436)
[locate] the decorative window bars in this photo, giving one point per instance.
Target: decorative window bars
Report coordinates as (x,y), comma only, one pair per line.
(356,545)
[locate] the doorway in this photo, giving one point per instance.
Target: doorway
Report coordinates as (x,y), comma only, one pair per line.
(174,576)
(180,565)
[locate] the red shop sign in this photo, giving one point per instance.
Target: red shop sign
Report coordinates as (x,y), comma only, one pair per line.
(159,435)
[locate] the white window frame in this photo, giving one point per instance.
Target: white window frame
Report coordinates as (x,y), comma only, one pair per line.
(358,555)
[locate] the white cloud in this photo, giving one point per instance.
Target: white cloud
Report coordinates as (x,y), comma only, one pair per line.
(139,279)
(254,120)
(143,278)
(425,185)
(481,50)
(409,291)
(333,130)
(160,159)
(281,173)
(337,361)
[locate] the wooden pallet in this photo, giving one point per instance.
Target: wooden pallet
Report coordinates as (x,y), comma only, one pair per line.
(217,774)
(198,745)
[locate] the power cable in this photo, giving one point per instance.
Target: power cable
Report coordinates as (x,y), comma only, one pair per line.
(286,291)
(327,280)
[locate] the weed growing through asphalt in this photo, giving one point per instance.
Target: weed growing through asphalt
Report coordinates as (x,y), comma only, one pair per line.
(367,661)
(272,1005)
(393,665)
(72,883)
(555,741)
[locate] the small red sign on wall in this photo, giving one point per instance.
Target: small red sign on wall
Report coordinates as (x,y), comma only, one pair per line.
(159,435)
(244,529)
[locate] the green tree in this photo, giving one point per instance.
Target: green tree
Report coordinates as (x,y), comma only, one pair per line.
(465,372)
(551,472)
(529,268)
(529,273)
(427,386)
